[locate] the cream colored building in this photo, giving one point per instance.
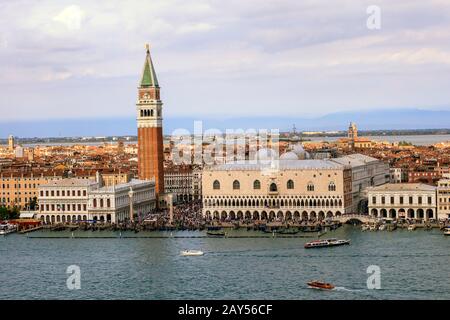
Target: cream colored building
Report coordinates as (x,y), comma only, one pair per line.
(293,187)
(277,189)
(64,200)
(366,172)
(183,182)
(112,203)
(443,198)
(74,200)
(19,190)
(403,200)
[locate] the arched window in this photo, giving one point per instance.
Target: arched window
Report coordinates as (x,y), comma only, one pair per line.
(151,112)
(236,185)
(216,185)
(142,113)
(256,184)
(310,186)
(273,187)
(331,186)
(290,184)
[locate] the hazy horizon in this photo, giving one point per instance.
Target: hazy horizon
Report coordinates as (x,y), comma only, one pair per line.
(123,126)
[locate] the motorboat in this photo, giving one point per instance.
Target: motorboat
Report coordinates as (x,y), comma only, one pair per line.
(320,285)
(382,227)
(447,231)
(192,253)
(373,227)
(412,227)
(326,243)
(7,228)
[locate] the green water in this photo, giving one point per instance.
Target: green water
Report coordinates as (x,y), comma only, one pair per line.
(414,265)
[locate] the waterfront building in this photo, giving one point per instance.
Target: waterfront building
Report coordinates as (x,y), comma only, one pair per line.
(149,123)
(112,203)
(366,172)
(270,189)
(403,200)
(21,189)
(183,182)
(65,200)
(443,197)
(75,199)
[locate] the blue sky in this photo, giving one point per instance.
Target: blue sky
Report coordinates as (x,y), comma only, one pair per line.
(82,59)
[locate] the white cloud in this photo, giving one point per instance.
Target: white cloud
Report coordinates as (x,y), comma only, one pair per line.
(196,27)
(71,17)
(247,54)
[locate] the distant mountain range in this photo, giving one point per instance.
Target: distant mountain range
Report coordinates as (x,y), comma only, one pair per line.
(365,120)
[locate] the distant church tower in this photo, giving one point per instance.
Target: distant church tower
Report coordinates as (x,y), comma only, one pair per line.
(149,123)
(11,143)
(352,131)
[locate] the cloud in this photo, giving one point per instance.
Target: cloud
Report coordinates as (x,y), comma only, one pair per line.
(216,57)
(196,27)
(71,17)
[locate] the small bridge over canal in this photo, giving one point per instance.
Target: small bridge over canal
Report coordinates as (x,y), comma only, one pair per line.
(363,218)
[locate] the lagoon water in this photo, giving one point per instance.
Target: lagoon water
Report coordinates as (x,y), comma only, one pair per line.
(419,140)
(414,265)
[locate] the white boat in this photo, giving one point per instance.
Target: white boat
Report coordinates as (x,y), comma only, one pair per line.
(412,227)
(192,253)
(7,228)
(326,243)
(382,227)
(373,227)
(447,231)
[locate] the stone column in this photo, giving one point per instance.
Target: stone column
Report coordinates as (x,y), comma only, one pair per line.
(130,195)
(170,202)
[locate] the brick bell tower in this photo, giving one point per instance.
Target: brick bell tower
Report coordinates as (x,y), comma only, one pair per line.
(149,123)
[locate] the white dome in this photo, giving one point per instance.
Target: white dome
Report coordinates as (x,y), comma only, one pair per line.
(289,156)
(265,154)
(300,152)
(298,149)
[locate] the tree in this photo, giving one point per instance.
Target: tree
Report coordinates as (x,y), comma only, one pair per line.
(8,214)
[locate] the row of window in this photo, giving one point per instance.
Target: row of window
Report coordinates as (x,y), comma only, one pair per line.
(101,203)
(18,186)
(273,186)
(273,203)
(402,200)
(63,207)
(63,193)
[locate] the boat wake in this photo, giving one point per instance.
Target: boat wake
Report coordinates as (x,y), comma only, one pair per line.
(346,289)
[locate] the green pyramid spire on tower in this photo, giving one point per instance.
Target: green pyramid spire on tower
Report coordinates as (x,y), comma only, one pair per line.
(149,75)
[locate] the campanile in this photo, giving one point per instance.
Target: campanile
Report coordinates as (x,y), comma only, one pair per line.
(149,123)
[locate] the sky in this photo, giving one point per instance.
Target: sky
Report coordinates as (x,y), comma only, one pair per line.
(241,58)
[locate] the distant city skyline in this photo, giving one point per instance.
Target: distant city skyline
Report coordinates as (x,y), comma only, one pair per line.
(401,119)
(215,60)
